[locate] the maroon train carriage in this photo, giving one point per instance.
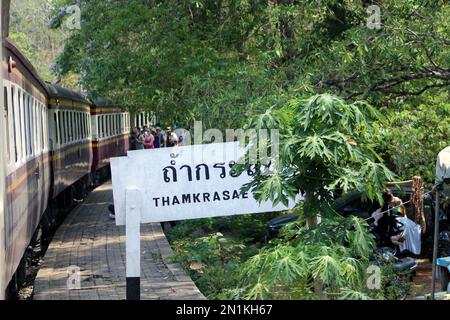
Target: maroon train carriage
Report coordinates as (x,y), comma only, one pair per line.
(70,143)
(110,133)
(25,157)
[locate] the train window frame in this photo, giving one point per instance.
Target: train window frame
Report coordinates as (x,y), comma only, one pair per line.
(108,125)
(32,126)
(37,149)
(14,112)
(7,129)
(60,127)
(21,125)
(30,106)
(82,126)
(37,143)
(117,123)
(45,127)
(85,126)
(100,126)
(71,125)
(27,125)
(56,128)
(40,119)
(77,126)
(111,125)
(30,141)
(66,127)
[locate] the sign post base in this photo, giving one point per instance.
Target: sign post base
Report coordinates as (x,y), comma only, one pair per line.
(133,243)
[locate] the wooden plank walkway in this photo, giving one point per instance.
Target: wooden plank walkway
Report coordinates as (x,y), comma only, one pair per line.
(89,239)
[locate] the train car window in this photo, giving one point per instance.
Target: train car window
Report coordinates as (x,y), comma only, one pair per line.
(36,128)
(42,137)
(99,126)
(27,124)
(32,125)
(13,111)
(108,125)
(69,126)
(102,126)
(57,128)
(82,133)
(71,134)
(85,117)
(65,127)
(108,119)
(77,126)
(114,119)
(41,127)
(111,121)
(88,125)
(46,126)
(60,128)
(82,126)
(8,143)
(21,125)
(114,125)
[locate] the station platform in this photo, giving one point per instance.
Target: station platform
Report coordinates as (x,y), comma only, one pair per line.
(90,240)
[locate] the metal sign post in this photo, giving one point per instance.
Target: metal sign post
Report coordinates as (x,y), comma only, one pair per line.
(436,243)
(133,243)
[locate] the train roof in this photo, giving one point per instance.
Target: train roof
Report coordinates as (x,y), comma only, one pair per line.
(104,103)
(57,92)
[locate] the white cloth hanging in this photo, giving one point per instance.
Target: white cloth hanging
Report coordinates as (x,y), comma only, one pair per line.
(412,234)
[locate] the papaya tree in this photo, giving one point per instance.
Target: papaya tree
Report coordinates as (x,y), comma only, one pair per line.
(326,147)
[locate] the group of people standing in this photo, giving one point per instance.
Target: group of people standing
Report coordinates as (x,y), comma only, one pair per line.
(153,138)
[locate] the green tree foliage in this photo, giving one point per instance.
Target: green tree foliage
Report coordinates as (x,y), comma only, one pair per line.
(221,61)
(203,57)
(325,145)
(416,135)
(328,261)
(326,148)
(30,30)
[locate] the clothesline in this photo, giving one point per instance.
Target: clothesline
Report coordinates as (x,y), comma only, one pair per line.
(398,206)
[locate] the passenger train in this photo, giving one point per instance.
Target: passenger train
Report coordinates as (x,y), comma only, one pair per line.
(56,144)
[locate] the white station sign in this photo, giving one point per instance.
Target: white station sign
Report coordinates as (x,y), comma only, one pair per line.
(185,183)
